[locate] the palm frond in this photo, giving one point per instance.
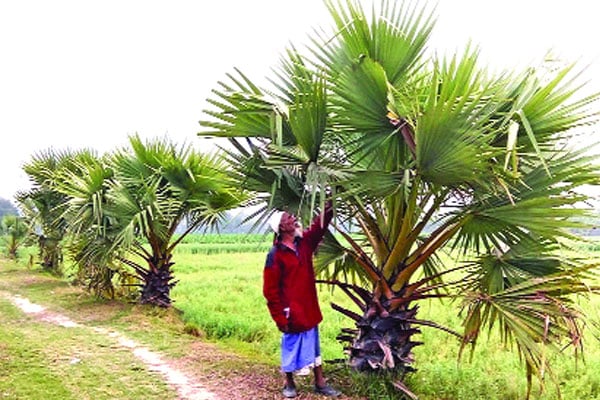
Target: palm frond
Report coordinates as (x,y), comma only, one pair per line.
(536,313)
(395,36)
(362,100)
(335,262)
(550,202)
(308,117)
(243,110)
(452,140)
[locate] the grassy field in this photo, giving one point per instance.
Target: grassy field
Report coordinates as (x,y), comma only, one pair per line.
(40,360)
(43,361)
(219,294)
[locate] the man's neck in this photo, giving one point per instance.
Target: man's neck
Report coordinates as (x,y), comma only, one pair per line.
(289,241)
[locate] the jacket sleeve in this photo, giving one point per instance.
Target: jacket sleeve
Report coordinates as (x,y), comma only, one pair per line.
(272,291)
(314,234)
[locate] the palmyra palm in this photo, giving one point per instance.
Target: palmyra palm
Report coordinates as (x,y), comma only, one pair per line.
(421,154)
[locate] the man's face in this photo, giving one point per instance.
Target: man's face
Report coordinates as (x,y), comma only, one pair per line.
(289,224)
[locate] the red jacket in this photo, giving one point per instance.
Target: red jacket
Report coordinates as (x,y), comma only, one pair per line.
(289,279)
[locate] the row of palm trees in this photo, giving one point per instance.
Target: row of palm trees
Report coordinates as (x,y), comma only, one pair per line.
(421,154)
(117,215)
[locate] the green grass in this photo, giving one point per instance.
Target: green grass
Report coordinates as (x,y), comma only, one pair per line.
(226,243)
(219,248)
(221,295)
(42,361)
(228,238)
(157,329)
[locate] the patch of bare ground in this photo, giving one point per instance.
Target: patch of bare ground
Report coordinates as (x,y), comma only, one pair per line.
(233,377)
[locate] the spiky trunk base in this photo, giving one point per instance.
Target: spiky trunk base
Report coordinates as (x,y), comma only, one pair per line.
(157,288)
(383,342)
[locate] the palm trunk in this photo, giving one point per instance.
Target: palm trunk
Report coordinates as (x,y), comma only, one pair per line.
(156,289)
(50,254)
(383,341)
(12,252)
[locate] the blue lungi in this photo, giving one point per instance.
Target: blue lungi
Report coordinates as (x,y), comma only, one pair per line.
(300,351)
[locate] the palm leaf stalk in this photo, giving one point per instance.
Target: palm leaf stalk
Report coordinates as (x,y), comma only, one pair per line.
(422,155)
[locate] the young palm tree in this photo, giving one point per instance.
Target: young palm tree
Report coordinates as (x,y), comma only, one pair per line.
(129,206)
(84,184)
(43,204)
(14,229)
(422,154)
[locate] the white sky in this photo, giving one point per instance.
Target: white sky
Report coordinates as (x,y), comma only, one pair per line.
(79,73)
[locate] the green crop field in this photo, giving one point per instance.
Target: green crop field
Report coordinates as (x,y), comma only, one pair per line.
(220,293)
(228,243)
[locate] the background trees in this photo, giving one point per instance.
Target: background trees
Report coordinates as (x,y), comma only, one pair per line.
(7,208)
(119,213)
(14,232)
(423,154)
(43,205)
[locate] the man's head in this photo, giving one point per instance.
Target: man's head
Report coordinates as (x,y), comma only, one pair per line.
(284,223)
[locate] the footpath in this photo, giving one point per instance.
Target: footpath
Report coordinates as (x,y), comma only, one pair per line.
(185,385)
(194,368)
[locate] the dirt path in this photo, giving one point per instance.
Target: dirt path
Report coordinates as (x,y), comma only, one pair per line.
(185,385)
(196,369)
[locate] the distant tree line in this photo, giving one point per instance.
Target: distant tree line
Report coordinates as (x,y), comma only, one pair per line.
(7,208)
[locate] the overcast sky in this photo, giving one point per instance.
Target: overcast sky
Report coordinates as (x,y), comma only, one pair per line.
(77,73)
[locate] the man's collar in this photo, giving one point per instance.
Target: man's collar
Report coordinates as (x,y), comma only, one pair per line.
(283,246)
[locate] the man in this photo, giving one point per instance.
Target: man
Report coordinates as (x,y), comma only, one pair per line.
(291,293)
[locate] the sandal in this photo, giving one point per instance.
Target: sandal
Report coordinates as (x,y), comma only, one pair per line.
(327,391)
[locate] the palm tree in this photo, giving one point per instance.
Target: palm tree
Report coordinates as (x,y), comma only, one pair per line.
(84,184)
(14,230)
(421,154)
(129,206)
(43,204)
